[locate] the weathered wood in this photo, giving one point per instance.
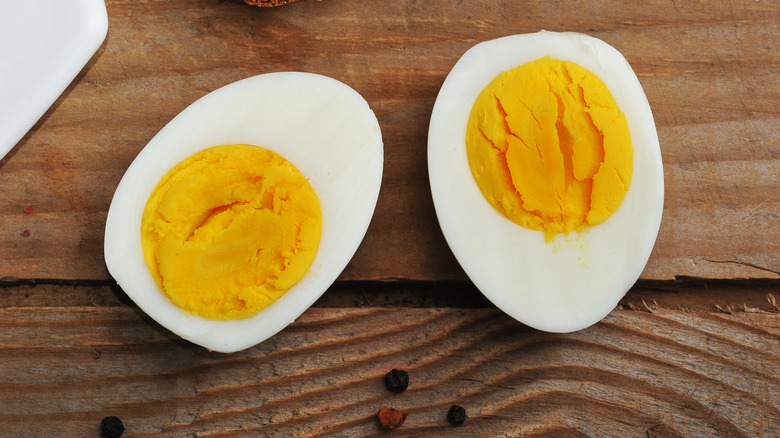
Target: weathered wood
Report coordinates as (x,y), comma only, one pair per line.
(666,373)
(676,358)
(709,70)
(688,296)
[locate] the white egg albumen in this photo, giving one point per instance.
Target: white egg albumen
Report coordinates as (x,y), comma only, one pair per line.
(322,126)
(573,281)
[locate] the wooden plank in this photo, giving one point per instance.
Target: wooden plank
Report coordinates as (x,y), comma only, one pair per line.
(666,373)
(709,70)
(688,296)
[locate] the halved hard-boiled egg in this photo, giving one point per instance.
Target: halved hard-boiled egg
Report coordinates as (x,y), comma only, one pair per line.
(546,175)
(246,207)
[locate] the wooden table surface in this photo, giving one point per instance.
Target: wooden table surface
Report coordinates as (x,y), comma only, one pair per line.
(692,350)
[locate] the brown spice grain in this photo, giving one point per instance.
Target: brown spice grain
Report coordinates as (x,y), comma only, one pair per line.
(390,418)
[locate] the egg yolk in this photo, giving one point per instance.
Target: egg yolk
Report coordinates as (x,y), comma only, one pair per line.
(549,147)
(229,230)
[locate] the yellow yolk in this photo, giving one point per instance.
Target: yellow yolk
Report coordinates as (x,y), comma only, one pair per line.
(549,147)
(229,230)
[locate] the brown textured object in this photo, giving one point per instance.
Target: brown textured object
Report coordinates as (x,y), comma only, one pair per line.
(391,418)
(268,3)
(678,357)
(709,74)
(638,373)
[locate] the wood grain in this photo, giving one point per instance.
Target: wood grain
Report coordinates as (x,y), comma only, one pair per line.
(686,296)
(710,71)
(667,373)
(692,350)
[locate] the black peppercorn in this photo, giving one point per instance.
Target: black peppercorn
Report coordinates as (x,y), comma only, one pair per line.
(111,427)
(457,415)
(397,380)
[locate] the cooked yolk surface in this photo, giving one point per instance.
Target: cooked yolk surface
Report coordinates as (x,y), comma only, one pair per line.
(549,147)
(229,230)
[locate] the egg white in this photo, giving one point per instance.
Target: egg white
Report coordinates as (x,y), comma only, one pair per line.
(322,126)
(573,281)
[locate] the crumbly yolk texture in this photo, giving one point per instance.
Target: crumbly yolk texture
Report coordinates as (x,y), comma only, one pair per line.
(229,230)
(549,147)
